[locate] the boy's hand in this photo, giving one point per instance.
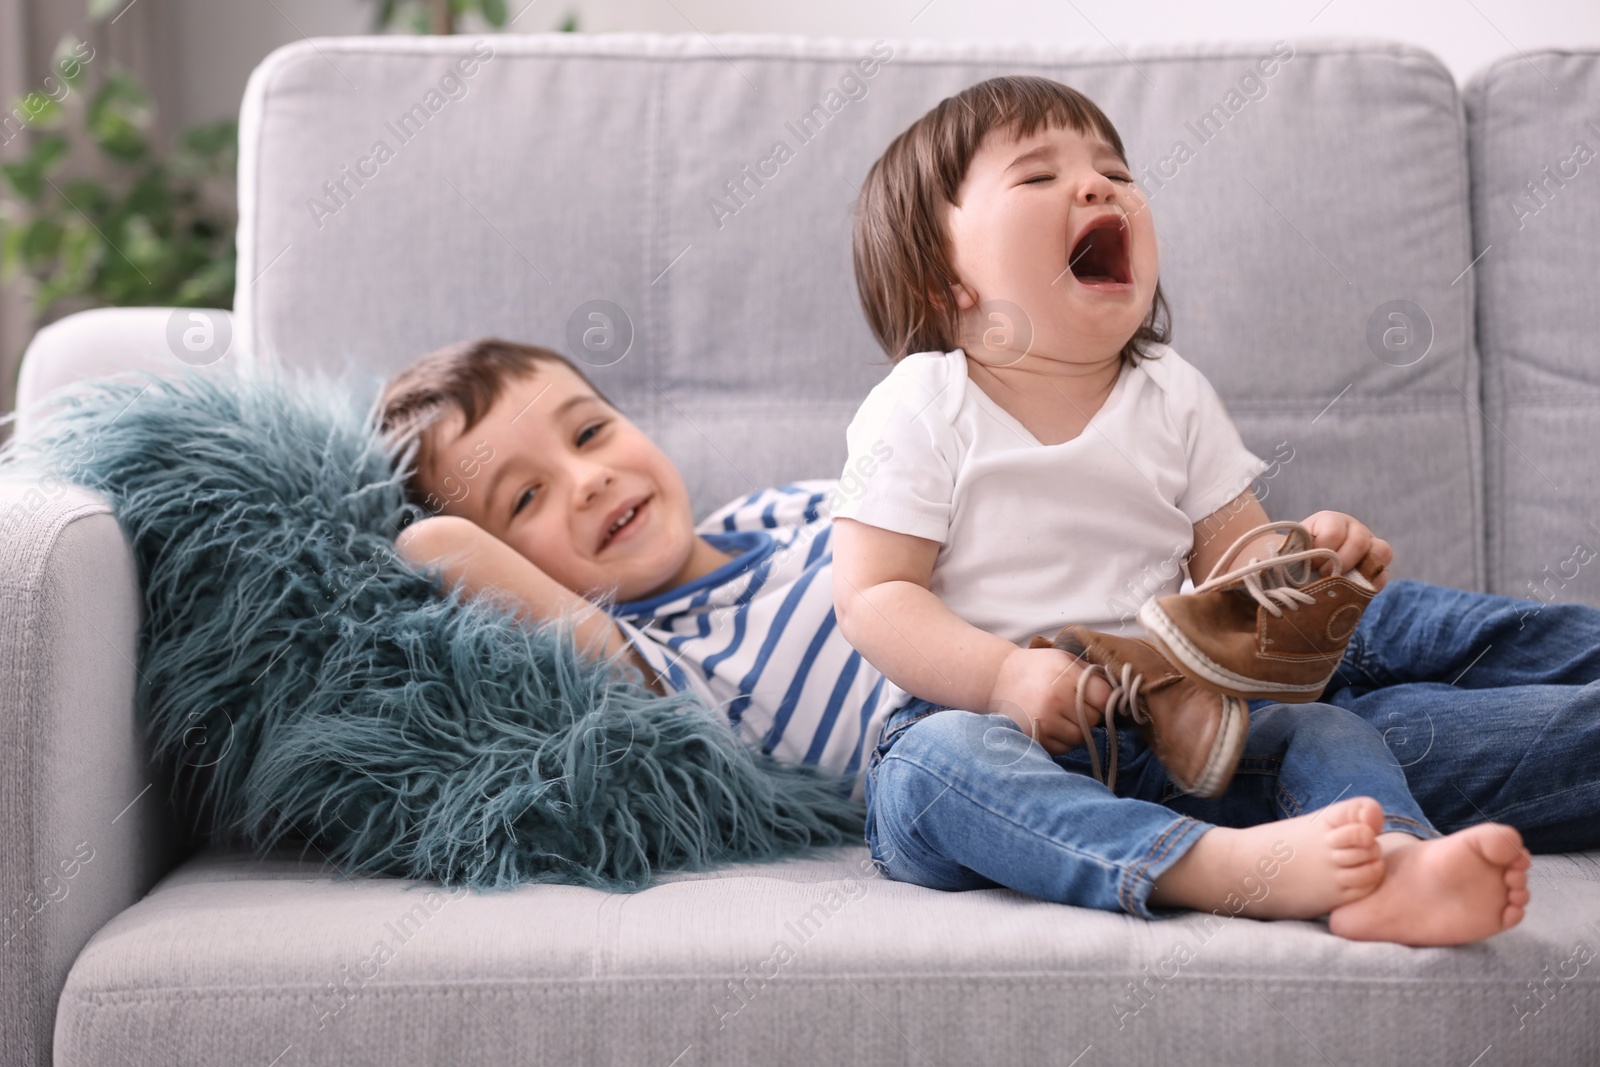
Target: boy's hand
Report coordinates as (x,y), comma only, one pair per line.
(1037,689)
(1358,549)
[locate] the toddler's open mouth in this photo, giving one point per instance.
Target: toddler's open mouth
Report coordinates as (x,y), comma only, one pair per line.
(1100,255)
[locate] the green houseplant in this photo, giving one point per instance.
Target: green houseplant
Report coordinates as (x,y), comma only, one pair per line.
(95,212)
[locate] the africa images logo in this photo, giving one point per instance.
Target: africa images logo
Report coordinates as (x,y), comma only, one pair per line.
(738,191)
(339,190)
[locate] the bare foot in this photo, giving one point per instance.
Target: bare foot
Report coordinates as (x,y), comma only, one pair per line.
(1297,868)
(1442,891)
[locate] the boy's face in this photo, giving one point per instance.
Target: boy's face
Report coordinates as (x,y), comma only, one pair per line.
(1017,235)
(549,468)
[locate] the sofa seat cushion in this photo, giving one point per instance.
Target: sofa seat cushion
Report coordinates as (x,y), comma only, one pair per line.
(234,960)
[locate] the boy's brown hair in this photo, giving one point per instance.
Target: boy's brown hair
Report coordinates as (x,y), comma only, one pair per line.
(900,247)
(465,377)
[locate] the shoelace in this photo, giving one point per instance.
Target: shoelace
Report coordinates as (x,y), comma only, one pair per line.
(1124,699)
(1284,592)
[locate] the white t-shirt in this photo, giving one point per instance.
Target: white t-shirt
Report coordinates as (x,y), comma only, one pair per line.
(1036,536)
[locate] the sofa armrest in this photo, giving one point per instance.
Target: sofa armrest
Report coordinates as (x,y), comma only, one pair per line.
(85,827)
(108,341)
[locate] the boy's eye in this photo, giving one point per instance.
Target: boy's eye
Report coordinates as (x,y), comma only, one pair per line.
(583,434)
(1120,178)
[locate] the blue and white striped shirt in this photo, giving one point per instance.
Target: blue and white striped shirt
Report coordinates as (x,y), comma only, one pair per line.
(757,637)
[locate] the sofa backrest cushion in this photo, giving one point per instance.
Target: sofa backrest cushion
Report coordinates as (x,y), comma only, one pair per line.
(1535,134)
(696,194)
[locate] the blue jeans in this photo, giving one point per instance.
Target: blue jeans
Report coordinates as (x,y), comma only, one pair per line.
(957,800)
(1490,704)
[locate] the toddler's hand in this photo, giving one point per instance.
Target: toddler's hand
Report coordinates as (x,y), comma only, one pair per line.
(1357,547)
(1037,689)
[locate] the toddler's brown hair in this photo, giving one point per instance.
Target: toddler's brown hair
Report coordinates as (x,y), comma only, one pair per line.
(900,247)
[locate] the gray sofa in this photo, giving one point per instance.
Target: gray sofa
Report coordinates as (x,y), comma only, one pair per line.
(525,178)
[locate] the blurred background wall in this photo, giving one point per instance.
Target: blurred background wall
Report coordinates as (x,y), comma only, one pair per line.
(216,42)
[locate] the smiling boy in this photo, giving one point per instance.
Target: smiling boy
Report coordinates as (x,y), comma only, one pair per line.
(542,492)
(532,502)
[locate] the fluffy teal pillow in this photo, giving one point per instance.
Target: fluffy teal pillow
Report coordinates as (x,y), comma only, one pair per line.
(348,705)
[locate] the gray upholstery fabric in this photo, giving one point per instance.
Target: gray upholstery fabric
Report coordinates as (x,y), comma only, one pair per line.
(580,169)
(84,830)
(1536,217)
(583,169)
(234,962)
(109,341)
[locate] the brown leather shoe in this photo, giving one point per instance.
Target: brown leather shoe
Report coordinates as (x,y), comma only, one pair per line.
(1271,629)
(1196,733)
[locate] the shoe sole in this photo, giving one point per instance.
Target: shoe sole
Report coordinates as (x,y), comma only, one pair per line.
(1225,753)
(1196,664)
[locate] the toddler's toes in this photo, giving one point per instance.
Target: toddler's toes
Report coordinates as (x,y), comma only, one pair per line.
(1357,877)
(1353,835)
(1352,815)
(1499,844)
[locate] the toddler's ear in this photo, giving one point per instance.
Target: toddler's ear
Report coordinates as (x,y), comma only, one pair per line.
(964,298)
